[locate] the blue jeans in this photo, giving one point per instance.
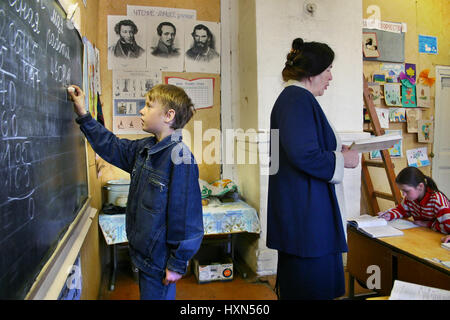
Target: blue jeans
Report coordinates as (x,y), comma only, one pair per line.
(152,288)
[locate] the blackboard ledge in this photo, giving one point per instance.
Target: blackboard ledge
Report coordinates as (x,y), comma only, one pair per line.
(51,279)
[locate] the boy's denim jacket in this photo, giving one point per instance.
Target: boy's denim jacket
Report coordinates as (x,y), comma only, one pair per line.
(164,220)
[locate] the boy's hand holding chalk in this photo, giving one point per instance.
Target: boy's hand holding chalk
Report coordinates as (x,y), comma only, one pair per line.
(77,96)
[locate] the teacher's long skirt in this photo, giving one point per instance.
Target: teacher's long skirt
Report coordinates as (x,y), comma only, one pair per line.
(320,278)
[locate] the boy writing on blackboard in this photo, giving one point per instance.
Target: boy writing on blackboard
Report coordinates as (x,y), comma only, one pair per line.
(164,221)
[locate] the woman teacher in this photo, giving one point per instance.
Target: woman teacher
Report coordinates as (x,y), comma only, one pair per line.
(304,220)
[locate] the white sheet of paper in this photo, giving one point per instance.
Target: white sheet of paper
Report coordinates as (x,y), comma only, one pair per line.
(201,91)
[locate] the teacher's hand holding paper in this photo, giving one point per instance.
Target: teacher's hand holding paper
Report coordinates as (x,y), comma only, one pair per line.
(351,158)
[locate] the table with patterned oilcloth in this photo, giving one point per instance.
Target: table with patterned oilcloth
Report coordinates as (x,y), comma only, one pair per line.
(219,218)
(229,217)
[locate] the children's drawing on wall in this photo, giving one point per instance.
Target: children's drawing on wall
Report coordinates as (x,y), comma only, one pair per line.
(410,71)
(379,77)
(428,44)
(395,152)
(383,117)
(375,93)
(412,115)
(423,96)
(397,115)
(417,157)
(166,44)
(408,94)
(126,43)
(392,71)
(425,131)
(370,45)
(392,94)
(202,43)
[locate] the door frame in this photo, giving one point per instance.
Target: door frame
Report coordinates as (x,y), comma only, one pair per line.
(441,71)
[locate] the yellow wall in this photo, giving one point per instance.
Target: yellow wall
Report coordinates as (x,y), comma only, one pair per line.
(90,253)
(425,17)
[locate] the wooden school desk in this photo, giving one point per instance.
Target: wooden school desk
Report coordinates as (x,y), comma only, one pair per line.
(399,258)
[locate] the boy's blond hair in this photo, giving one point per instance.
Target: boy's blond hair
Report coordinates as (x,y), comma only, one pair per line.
(173,97)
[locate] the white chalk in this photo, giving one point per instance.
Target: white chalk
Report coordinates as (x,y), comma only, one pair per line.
(71,89)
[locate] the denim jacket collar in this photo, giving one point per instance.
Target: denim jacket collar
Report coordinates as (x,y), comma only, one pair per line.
(153,147)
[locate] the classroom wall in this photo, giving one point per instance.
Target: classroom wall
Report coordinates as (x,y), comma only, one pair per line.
(266,30)
(207,10)
(425,17)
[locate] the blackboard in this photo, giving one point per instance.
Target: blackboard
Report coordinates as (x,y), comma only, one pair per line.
(43,172)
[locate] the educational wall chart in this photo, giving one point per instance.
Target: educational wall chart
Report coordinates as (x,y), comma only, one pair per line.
(200,90)
(129,89)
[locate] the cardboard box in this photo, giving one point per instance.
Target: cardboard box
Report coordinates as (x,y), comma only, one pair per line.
(206,271)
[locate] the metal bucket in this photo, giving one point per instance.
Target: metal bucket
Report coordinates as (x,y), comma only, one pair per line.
(117,192)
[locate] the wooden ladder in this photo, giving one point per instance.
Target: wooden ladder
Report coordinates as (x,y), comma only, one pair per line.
(386,163)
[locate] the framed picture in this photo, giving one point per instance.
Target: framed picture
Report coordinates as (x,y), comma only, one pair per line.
(370,45)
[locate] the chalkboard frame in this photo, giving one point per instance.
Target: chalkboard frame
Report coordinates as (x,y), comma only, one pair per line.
(57,233)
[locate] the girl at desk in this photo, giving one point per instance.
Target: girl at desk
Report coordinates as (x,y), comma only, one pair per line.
(422,200)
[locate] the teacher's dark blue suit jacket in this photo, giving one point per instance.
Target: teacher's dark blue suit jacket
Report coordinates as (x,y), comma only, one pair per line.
(303,212)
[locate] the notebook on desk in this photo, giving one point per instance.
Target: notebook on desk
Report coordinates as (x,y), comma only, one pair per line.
(374,227)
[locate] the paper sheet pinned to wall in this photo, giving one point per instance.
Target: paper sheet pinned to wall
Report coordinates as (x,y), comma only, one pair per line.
(200,90)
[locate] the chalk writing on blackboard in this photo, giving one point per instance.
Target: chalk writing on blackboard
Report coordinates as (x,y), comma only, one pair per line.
(43,181)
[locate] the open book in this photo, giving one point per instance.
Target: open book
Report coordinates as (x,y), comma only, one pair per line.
(376,143)
(374,227)
(411,291)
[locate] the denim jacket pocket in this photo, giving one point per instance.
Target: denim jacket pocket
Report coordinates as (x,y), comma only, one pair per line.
(155,196)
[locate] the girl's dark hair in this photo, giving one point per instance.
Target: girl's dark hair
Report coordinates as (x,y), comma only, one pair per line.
(413,177)
(307,59)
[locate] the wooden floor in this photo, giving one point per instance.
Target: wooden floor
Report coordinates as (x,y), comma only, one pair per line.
(251,288)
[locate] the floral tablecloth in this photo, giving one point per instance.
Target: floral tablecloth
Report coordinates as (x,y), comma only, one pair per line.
(218,218)
(230,217)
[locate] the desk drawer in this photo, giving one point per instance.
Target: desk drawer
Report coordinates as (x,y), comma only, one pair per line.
(364,252)
(411,270)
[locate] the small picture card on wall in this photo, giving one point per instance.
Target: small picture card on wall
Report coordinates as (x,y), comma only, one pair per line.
(410,70)
(423,96)
(417,157)
(397,115)
(393,71)
(383,117)
(379,77)
(428,44)
(375,93)
(412,115)
(408,94)
(392,94)
(370,45)
(425,131)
